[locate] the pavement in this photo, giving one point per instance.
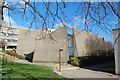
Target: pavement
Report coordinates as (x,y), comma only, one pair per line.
(76,73)
(23,61)
(45,64)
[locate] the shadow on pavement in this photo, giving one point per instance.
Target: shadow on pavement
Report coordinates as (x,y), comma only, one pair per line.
(104,67)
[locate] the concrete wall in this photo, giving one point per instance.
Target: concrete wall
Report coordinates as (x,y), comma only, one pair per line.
(43,45)
(86,42)
(49,44)
(26,41)
(116,33)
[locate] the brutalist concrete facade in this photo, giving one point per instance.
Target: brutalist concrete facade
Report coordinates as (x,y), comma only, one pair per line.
(116,33)
(86,43)
(26,41)
(43,46)
(48,45)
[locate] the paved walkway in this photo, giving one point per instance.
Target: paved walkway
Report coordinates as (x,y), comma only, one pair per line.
(74,73)
(23,61)
(45,64)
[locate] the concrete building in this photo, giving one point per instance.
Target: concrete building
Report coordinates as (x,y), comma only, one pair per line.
(9,37)
(44,45)
(86,43)
(48,45)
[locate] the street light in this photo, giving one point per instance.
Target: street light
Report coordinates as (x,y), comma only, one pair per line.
(60,50)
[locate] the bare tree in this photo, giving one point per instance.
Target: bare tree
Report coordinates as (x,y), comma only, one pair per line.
(1,11)
(96,45)
(88,9)
(94,13)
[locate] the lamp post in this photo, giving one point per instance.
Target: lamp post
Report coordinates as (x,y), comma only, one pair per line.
(60,50)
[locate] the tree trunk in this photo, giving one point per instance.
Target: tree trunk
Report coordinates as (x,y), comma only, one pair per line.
(1,11)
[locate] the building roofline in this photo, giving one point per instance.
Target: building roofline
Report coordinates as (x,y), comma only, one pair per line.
(18,27)
(89,33)
(116,29)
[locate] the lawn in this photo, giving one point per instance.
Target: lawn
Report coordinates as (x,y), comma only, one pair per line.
(15,71)
(4,51)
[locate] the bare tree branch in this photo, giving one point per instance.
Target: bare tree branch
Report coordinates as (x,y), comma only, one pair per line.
(114,10)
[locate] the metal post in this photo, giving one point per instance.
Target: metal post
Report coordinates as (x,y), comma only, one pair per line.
(59,61)
(60,50)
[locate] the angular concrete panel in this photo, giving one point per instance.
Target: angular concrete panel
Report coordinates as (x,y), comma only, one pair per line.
(48,45)
(80,40)
(86,42)
(116,33)
(26,41)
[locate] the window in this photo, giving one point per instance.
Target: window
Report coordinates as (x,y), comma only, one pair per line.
(3,34)
(5,27)
(12,35)
(12,41)
(13,29)
(11,47)
(1,39)
(4,40)
(70,40)
(9,28)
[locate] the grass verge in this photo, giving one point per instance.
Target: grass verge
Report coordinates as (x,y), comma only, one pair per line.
(16,71)
(4,51)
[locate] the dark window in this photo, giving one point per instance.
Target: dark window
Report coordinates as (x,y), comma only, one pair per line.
(11,47)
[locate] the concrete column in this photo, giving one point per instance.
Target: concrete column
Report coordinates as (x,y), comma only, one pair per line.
(6,47)
(116,33)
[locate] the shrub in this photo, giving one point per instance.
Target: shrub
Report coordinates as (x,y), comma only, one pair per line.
(74,61)
(92,60)
(110,70)
(21,57)
(102,57)
(13,53)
